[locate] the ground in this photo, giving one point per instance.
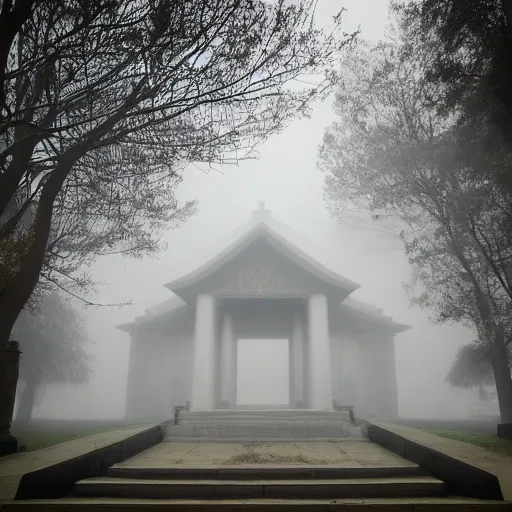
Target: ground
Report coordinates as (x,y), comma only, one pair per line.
(478,426)
(42,433)
(30,440)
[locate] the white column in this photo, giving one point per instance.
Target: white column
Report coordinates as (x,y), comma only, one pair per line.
(320,391)
(297,361)
(228,361)
(203,366)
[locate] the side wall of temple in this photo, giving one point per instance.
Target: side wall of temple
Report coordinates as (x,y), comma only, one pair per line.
(363,372)
(159,376)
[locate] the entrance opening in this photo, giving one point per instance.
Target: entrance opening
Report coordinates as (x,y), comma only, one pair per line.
(263,373)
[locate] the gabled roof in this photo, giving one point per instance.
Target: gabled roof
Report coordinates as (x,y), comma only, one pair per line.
(370,313)
(177,307)
(262,226)
(285,240)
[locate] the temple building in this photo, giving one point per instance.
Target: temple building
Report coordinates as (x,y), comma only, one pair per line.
(261,285)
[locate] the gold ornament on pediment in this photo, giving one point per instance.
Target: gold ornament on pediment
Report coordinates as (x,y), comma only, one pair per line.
(260,279)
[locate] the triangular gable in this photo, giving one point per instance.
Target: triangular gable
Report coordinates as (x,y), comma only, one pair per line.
(282,244)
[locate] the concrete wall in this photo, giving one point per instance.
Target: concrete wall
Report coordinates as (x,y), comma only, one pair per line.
(378,370)
(364,374)
(346,371)
(263,323)
(157,377)
(180,370)
(362,362)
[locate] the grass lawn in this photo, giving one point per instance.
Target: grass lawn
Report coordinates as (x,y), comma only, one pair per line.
(40,435)
(35,440)
(492,443)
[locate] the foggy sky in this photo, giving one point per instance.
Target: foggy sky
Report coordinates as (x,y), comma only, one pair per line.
(286,178)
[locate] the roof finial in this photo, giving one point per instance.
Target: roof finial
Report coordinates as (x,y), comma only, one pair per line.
(261,213)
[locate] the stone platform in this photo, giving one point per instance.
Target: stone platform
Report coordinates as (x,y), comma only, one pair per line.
(263,425)
(356,455)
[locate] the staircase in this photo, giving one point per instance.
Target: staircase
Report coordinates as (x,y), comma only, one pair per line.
(263,425)
(272,488)
(225,486)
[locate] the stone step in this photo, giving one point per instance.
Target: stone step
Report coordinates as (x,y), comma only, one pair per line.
(259,472)
(257,411)
(264,421)
(449,504)
(252,439)
(263,424)
(398,487)
(263,431)
(237,415)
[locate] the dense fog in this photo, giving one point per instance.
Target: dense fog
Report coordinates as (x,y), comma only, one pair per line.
(286,178)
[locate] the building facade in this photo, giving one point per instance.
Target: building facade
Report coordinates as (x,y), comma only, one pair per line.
(262,286)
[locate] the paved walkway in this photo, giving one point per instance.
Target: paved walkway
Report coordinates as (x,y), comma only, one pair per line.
(13,467)
(344,453)
(496,463)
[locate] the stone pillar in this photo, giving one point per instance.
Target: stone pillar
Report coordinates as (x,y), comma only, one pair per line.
(228,363)
(320,391)
(297,363)
(204,359)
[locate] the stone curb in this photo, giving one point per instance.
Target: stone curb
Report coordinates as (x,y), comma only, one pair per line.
(56,480)
(462,478)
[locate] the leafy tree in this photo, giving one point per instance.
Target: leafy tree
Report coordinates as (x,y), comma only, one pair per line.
(111,100)
(53,342)
(393,153)
(472,368)
(469,46)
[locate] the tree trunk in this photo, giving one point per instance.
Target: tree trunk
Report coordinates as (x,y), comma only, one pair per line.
(18,290)
(9,368)
(507,10)
(26,405)
(502,377)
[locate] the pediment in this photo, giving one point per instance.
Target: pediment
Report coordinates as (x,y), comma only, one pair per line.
(261,232)
(260,270)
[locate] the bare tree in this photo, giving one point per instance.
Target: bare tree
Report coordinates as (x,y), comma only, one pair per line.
(13,14)
(112,99)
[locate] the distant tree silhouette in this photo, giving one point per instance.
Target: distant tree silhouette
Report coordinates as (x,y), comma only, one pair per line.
(53,343)
(471,368)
